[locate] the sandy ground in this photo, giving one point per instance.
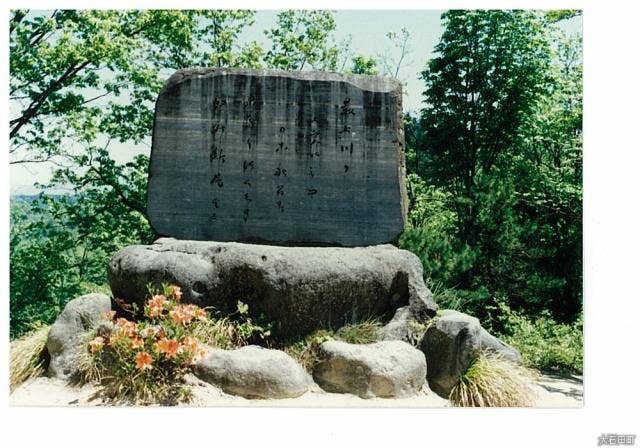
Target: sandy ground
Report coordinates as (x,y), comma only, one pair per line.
(552,391)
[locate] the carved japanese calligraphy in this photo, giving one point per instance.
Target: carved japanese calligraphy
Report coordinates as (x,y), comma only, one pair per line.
(280,157)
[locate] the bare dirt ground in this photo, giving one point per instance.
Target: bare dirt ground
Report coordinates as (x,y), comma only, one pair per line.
(552,391)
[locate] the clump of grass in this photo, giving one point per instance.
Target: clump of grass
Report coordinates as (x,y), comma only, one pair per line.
(232,331)
(305,350)
(220,333)
(493,381)
(28,356)
(418,329)
(359,333)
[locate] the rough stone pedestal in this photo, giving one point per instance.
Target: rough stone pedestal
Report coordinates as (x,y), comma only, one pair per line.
(299,289)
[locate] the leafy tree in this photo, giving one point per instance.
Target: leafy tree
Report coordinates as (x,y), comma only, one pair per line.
(361,65)
(562,14)
(81,80)
(300,39)
(78,81)
(37,284)
(500,137)
(548,182)
(66,69)
(481,86)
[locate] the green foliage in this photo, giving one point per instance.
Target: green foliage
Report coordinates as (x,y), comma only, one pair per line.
(431,233)
(43,273)
(300,38)
(361,65)
(498,151)
(562,14)
(233,330)
(489,70)
(544,343)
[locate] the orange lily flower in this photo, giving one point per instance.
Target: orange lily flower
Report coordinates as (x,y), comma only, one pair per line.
(143,361)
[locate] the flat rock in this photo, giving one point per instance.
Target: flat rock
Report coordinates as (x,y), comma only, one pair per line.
(299,289)
(66,335)
(451,343)
(280,157)
(390,369)
(253,372)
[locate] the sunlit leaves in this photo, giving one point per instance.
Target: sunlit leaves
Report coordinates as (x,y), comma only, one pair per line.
(301,39)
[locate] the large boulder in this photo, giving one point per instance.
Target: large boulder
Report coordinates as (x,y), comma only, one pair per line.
(451,343)
(390,369)
(299,289)
(66,339)
(254,372)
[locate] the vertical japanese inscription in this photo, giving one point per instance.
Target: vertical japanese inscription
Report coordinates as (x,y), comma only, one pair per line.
(314,145)
(280,172)
(345,133)
(250,119)
(270,156)
(217,156)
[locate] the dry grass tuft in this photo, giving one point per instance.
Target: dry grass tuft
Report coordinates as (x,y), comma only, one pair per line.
(28,356)
(305,351)
(493,381)
(227,333)
(220,333)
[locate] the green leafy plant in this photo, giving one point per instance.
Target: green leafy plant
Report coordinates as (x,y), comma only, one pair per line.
(145,362)
(492,381)
(543,342)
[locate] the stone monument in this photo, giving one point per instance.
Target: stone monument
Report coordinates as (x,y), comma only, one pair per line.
(280,157)
(296,161)
(311,166)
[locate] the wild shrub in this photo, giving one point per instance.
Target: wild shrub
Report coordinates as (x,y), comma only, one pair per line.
(544,343)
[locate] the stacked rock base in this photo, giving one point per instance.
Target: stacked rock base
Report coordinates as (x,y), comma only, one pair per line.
(300,290)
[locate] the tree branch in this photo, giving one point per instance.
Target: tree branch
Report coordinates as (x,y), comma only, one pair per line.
(35,105)
(17,18)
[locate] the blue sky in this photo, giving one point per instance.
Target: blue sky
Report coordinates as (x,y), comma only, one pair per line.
(367,29)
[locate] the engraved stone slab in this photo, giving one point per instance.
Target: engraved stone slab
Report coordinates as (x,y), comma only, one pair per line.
(281,157)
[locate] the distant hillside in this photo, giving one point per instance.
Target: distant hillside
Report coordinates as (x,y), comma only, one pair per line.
(18,198)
